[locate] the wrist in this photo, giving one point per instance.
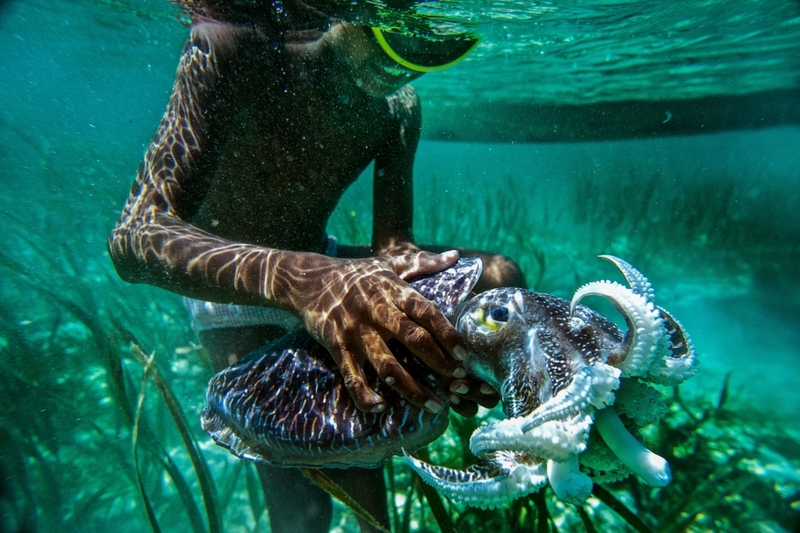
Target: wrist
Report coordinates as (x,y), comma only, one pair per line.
(396,247)
(290,278)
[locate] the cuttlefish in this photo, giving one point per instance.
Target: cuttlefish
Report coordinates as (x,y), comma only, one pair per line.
(563,371)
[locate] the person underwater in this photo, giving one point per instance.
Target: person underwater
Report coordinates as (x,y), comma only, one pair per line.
(276,109)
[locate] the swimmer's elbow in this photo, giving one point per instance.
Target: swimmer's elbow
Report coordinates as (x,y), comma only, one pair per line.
(125,262)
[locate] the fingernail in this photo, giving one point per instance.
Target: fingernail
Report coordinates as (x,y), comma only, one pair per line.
(486,389)
(433,406)
(459,353)
(450,255)
(455,400)
(459,387)
(381,407)
(459,372)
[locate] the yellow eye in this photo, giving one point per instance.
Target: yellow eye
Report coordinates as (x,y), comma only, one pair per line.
(495,319)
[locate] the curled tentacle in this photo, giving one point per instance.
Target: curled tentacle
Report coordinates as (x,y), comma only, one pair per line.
(638,283)
(496,479)
(646,332)
(568,482)
(556,439)
(680,362)
(591,387)
(652,468)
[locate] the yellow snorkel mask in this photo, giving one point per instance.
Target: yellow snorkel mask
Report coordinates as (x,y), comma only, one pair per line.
(421,54)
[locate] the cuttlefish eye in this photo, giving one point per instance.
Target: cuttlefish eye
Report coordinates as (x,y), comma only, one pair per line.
(492,320)
(499,314)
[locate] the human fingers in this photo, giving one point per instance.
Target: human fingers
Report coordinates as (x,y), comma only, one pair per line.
(422,344)
(470,389)
(352,371)
(410,266)
(427,315)
(393,374)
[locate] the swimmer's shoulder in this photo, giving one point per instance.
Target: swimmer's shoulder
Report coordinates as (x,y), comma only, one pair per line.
(222,39)
(405,105)
(238,53)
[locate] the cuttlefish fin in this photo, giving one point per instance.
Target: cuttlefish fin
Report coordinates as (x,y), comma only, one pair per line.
(224,436)
(497,478)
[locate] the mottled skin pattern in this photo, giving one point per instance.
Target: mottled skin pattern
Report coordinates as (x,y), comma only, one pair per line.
(286,404)
(503,358)
(562,369)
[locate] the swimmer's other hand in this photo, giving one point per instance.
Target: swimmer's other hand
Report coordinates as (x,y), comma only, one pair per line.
(352,306)
(466,394)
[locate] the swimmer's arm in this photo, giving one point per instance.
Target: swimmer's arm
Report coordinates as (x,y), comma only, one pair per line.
(154,241)
(393,185)
(348,305)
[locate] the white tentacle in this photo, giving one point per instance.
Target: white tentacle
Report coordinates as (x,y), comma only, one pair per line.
(646,336)
(487,484)
(591,387)
(636,280)
(568,482)
(556,440)
(652,468)
(680,361)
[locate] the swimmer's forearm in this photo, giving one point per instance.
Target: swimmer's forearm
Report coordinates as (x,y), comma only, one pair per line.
(181,258)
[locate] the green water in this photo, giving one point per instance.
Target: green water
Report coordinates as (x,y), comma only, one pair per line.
(711,218)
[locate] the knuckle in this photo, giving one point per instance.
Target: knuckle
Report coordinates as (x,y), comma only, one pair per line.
(427,308)
(350,381)
(389,367)
(423,309)
(353,383)
(419,337)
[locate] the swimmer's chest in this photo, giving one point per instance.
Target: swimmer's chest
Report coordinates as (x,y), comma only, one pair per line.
(284,165)
(307,138)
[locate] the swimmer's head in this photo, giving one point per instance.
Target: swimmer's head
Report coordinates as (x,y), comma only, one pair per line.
(381,62)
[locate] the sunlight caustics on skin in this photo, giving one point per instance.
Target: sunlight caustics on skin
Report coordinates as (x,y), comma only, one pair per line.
(287,403)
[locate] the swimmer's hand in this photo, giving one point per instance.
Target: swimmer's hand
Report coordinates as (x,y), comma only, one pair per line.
(352,306)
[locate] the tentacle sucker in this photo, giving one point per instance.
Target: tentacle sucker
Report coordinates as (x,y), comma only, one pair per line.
(680,362)
(500,477)
(638,283)
(591,386)
(556,439)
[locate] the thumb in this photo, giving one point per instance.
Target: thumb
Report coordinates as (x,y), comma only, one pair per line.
(423,263)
